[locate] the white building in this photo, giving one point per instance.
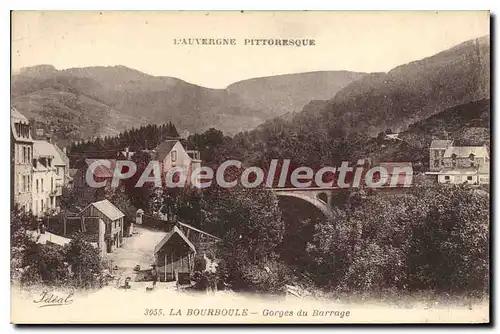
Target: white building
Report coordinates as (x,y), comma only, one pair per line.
(459,164)
(49,177)
(21,154)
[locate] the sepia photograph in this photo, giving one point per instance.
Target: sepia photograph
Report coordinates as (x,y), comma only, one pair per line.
(250,167)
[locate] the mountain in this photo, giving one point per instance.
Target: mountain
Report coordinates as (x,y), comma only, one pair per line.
(414,91)
(289,93)
(467,124)
(445,94)
(78,103)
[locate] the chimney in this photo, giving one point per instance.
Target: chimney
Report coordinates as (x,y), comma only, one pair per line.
(64,150)
(49,139)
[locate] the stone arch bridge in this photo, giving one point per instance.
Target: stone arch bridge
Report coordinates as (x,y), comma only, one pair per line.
(322,198)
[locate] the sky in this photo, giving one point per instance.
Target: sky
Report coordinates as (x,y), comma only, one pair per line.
(354,41)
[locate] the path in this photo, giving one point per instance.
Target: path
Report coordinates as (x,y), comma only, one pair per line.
(136,250)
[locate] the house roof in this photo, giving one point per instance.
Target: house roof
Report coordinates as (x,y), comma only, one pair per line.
(42,148)
(440,144)
(465,151)
(17,116)
(108,209)
(48,237)
(101,170)
(164,148)
(62,155)
(165,239)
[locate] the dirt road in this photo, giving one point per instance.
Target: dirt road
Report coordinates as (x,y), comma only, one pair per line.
(136,250)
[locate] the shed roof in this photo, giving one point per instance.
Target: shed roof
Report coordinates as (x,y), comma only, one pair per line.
(108,209)
(167,237)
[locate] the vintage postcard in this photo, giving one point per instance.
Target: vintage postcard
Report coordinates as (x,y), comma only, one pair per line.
(250,167)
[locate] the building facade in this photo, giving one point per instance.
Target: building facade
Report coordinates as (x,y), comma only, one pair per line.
(436,153)
(21,166)
(44,187)
(171,154)
(459,164)
(113,219)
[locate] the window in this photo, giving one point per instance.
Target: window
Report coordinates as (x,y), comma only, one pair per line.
(41,205)
(29,154)
(37,188)
(25,183)
(24,154)
(42,185)
(469,178)
(173,155)
(447,178)
(51,184)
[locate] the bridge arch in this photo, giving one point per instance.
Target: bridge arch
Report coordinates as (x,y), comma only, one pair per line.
(314,200)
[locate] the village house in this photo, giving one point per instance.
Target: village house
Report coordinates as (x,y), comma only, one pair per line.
(436,153)
(113,220)
(459,164)
(172,154)
(62,169)
(101,173)
(48,177)
(21,155)
(465,156)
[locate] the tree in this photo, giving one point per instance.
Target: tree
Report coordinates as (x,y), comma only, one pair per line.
(83,258)
(250,224)
(20,240)
(432,238)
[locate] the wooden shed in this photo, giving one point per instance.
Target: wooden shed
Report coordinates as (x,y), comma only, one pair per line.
(112,218)
(174,256)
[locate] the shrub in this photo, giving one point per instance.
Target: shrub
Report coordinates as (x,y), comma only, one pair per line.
(434,238)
